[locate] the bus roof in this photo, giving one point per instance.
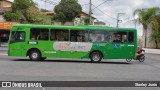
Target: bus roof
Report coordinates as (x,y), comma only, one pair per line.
(89,27)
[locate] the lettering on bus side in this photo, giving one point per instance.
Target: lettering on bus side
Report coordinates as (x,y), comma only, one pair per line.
(130,45)
(33,43)
(72,46)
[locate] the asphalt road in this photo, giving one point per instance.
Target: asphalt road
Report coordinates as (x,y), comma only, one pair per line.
(22,69)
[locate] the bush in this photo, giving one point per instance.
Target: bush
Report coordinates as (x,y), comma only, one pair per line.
(11,16)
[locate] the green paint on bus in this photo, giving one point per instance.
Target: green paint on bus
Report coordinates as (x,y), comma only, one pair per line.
(94,42)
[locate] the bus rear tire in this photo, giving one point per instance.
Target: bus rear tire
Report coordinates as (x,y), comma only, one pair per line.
(96,57)
(34,55)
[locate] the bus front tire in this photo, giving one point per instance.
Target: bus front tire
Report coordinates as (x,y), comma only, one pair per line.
(96,57)
(35,55)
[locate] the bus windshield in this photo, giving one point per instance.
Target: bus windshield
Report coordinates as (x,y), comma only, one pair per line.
(17,36)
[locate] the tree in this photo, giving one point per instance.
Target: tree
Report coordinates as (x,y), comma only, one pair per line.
(145,16)
(155,36)
(35,16)
(67,10)
(44,10)
(11,16)
(21,6)
(27,12)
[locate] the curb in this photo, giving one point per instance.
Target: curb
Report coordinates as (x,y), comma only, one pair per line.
(3,54)
(152,51)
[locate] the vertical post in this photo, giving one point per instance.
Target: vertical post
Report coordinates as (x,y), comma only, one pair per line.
(145,39)
(0,42)
(118,15)
(45,4)
(117,19)
(90,11)
(135,24)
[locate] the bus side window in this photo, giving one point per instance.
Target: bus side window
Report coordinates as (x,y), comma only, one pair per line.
(52,34)
(124,38)
(130,37)
(98,36)
(120,37)
(78,36)
(61,35)
(39,34)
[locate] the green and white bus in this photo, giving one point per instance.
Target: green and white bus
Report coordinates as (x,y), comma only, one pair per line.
(82,42)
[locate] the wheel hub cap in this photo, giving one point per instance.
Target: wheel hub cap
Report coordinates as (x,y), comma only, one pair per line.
(96,57)
(34,55)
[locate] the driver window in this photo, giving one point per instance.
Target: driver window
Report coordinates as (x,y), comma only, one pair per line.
(18,36)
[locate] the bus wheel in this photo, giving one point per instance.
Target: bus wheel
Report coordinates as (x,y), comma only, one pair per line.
(129,59)
(96,57)
(34,55)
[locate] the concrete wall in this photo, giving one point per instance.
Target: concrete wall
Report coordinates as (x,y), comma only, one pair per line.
(2,19)
(150,43)
(6,5)
(66,23)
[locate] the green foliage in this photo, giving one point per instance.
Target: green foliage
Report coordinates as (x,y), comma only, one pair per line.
(155,36)
(11,16)
(27,12)
(44,10)
(19,5)
(33,15)
(155,24)
(67,10)
(145,15)
(150,16)
(20,8)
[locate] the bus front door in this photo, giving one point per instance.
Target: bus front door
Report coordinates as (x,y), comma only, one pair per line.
(17,44)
